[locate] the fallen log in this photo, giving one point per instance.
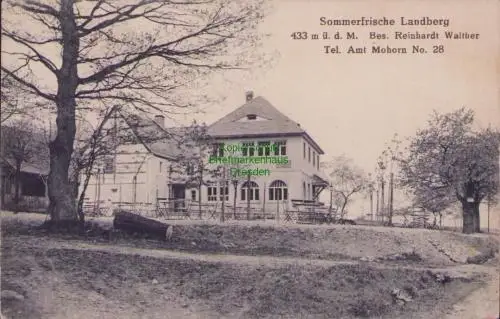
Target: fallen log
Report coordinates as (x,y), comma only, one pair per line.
(133,223)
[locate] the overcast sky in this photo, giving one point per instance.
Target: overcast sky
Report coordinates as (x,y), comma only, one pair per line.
(354,104)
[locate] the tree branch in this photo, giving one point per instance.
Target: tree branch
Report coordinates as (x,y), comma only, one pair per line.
(45,61)
(25,83)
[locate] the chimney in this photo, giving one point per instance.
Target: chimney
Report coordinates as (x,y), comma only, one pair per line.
(160,120)
(249,95)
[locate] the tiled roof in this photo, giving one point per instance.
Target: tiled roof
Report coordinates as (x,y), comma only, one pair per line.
(271,122)
(36,166)
(162,142)
(275,123)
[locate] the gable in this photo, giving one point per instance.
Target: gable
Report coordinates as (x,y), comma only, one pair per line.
(268,121)
(257,118)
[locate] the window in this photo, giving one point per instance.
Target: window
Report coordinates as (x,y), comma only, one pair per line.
(32,186)
(212,193)
(314,158)
(127,139)
(308,191)
(109,165)
(317,161)
(248,149)
(193,194)
(251,189)
(160,166)
(309,154)
(224,191)
(190,169)
(264,148)
(252,116)
(304,194)
(218,149)
(278,190)
(280,148)
(304,150)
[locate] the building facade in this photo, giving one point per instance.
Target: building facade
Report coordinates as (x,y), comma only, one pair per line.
(140,171)
(137,171)
(258,130)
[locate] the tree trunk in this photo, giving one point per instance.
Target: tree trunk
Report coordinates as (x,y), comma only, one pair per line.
(382,201)
(331,201)
(477,220)
(470,206)
(344,204)
(17,187)
(199,201)
(371,204)
(2,190)
(391,199)
(46,193)
(469,220)
(62,206)
(134,223)
(81,199)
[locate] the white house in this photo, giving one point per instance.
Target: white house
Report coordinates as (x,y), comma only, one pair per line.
(252,126)
(140,171)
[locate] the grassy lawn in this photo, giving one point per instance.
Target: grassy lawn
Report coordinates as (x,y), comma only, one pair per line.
(53,280)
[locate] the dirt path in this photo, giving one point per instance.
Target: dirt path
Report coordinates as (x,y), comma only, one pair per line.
(481,304)
(269,261)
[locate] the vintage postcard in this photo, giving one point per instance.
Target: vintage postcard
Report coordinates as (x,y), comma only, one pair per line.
(250,159)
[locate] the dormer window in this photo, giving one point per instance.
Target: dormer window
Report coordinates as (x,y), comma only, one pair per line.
(252,117)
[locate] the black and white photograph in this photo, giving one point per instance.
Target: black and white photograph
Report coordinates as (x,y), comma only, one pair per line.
(165,159)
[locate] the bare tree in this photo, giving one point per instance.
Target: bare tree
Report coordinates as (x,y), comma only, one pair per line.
(14,102)
(381,172)
(92,144)
(346,180)
(102,57)
(240,179)
(387,163)
(20,146)
(192,166)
